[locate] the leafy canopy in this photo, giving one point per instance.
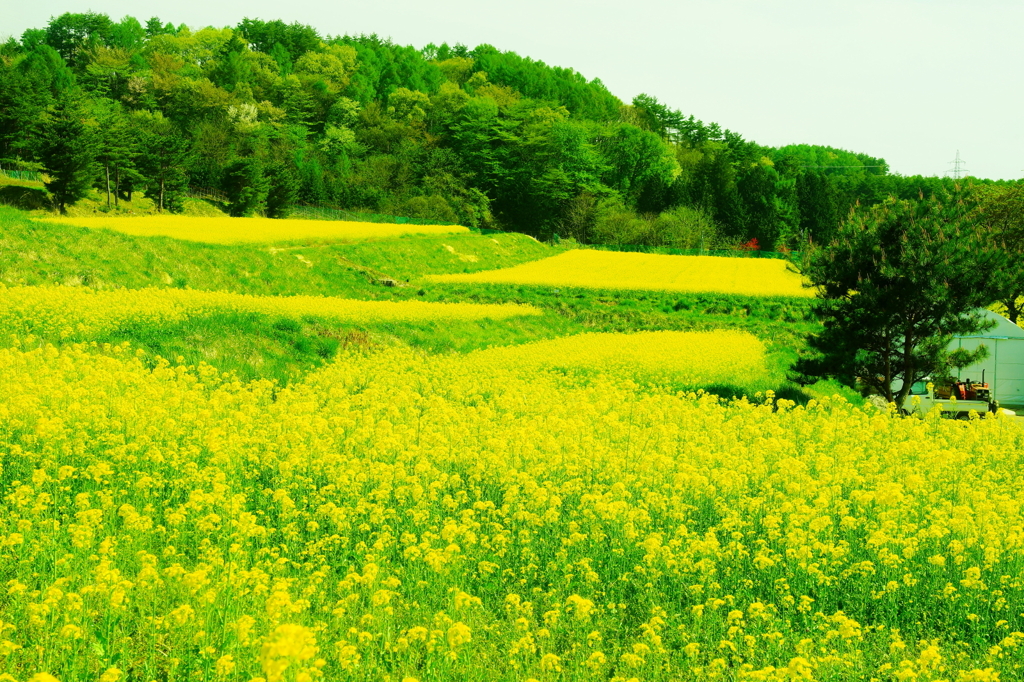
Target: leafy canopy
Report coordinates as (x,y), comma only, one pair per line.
(897,282)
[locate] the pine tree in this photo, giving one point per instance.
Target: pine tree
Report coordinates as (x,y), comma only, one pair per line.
(67,152)
(895,285)
(247,187)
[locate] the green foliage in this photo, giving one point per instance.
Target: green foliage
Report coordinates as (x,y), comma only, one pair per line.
(681,228)
(536,80)
(164,159)
(72,35)
(483,137)
(295,39)
(769,204)
(637,160)
(1001,209)
(67,151)
(282,192)
(898,281)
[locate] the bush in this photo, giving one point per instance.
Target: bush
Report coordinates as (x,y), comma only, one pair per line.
(681,227)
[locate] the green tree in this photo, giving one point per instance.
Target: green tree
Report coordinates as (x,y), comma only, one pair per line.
(1001,209)
(711,187)
(32,38)
(282,58)
(770,205)
(116,146)
(897,282)
(820,206)
(73,35)
(635,161)
(247,187)
(67,152)
(164,159)
(283,190)
(155,27)
(28,87)
(295,39)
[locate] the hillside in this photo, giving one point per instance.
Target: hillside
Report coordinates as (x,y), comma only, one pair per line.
(269,118)
(310,459)
(325,358)
(44,252)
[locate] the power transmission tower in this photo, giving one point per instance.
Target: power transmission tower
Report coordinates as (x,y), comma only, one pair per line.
(958,167)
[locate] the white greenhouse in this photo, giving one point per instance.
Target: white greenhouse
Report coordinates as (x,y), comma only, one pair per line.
(1004,366)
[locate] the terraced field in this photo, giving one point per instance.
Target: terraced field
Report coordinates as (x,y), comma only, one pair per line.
(690,358)
(60,312)
(474,489)
(211,230)
(650,272)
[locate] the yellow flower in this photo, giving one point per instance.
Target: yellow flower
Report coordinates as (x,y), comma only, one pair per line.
(582,608)
(458,634)
(550,663)
(111,675)
(289,643)
(71,631)
(224,665)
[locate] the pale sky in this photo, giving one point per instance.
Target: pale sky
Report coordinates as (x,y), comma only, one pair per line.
(910,81)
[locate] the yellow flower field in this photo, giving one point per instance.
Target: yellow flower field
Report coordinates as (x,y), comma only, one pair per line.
(252,230)
(405,517)
(62,312)
(649,272)
(690,358)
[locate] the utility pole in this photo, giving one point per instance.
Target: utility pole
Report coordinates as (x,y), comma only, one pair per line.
(958,167)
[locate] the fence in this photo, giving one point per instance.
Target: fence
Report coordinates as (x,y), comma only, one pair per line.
(326,212)
(332,213)
(31,176)
(321,211)
(727,253)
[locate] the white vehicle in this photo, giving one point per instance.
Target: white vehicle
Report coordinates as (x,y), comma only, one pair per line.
(956,401)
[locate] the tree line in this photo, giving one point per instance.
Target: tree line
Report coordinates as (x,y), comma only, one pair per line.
(274,114)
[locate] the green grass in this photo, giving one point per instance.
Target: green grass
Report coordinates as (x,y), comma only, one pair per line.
(25,194)
(254,346)
(44,253)
(282,349)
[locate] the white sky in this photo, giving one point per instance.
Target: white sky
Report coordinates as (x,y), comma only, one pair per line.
(910,81)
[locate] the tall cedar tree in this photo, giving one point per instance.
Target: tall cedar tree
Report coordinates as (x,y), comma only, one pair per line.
(247,186)
(164,161)
(897,282)
(67,151)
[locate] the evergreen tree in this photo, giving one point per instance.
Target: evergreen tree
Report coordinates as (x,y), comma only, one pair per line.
(164,162)
(74,34)
(896,283)
(247,187)
(283,190)
(820,206)
(1001,209)
(116,147)
(67,152)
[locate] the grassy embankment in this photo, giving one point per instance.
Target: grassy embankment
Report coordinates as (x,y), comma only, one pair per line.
(254,345)
(280,348)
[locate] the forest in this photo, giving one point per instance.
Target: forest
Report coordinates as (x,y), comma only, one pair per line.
(272,116)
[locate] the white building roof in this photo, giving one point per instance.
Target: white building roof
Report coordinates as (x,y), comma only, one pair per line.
(1004,329)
